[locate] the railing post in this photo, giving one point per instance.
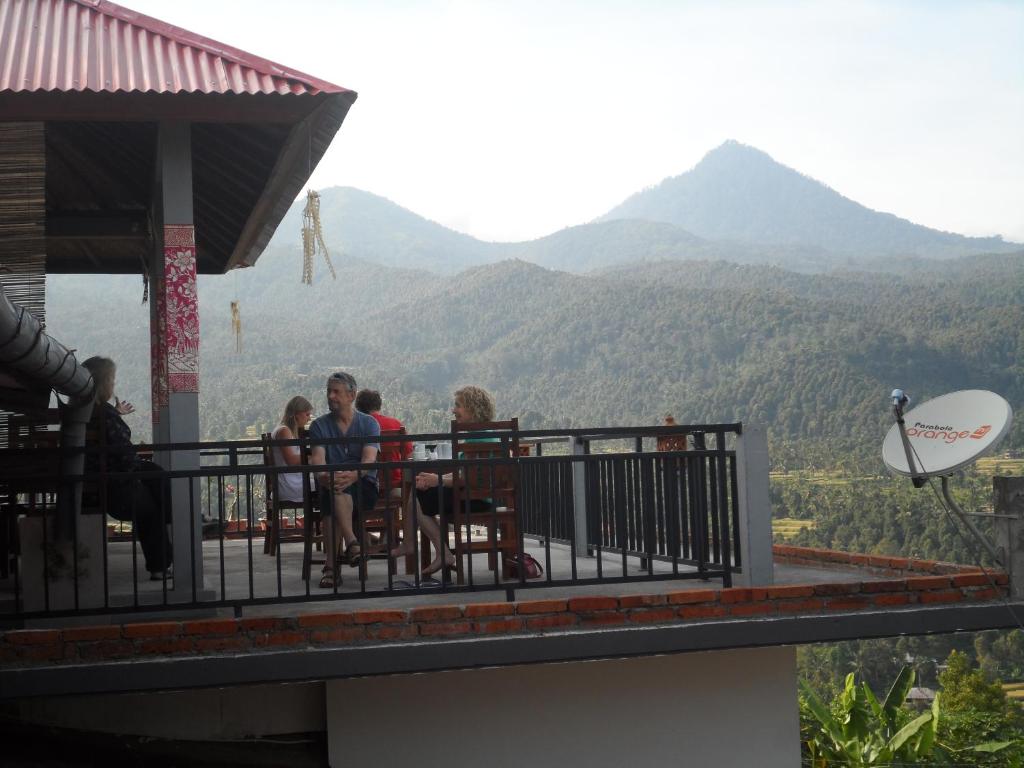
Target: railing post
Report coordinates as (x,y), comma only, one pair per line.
(1008,501)
(755,510)
(579,498)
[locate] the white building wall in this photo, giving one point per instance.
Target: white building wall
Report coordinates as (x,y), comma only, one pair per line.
(723,708)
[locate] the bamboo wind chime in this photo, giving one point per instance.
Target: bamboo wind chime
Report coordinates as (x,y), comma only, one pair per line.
(313,238)
(236,325)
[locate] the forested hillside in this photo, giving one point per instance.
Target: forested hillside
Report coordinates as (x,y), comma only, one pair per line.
(811,356)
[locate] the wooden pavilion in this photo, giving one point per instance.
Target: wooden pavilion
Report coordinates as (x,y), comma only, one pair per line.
(128,145)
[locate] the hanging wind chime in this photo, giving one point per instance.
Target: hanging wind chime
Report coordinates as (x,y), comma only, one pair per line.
(236,325)
(313,238)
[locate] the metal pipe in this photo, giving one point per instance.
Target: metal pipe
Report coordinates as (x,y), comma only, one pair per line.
(27,349)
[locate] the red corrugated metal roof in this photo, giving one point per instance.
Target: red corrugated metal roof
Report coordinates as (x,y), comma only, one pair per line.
(94,45)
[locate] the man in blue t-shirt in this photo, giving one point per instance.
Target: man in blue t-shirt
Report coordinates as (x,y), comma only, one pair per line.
(348,489)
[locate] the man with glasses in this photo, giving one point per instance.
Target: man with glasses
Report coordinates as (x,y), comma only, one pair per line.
(346,490)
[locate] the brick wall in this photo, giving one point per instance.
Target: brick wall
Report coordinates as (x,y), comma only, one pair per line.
(913,582)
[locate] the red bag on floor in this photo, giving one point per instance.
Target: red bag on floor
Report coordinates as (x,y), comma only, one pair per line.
(530,567)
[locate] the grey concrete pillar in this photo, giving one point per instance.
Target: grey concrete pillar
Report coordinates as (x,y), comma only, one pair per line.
(1008,503)
(178,353)
(579,498)
(755,509)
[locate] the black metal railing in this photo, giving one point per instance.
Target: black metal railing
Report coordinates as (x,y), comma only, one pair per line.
(591,506)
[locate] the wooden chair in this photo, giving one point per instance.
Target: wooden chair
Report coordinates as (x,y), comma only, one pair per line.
(386,516)
(497,484)
(309,505)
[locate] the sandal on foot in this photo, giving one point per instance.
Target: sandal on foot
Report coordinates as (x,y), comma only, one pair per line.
(327,580)
(354,554)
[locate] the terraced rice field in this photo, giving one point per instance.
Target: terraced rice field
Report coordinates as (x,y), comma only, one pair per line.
(784,528)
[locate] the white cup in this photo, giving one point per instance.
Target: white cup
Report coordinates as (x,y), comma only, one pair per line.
(444,450)
(419,452)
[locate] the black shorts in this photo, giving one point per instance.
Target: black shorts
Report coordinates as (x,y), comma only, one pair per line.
(429,502)
(363,493)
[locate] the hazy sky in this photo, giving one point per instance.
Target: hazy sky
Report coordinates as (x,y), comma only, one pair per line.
(510,120)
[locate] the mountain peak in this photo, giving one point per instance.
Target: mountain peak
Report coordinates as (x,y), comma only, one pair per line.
(740,193)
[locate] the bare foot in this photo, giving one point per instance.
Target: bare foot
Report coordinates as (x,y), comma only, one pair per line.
(434,567)
(403,549)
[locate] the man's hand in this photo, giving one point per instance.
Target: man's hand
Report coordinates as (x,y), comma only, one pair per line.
(341,480)
(425,480)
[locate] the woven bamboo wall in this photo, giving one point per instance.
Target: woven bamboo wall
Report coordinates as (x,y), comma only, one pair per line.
(23,215)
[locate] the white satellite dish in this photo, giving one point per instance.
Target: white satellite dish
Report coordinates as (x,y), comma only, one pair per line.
(948,432)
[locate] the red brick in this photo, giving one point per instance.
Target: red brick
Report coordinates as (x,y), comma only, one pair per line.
(489,609)
(282,638)
(211,627)
(928,582)
(948,596)
(446,628)
(895,598)
(735,595)
(33,636)
(641,601)
(847,603)
(391,631)
(586,604)
(799,606)
(653,616)
(900,563)
(881,561)
(106,649)
(260,624)
(889,585)
(341,635)
(164,645)
(380,617)
(226,643)
(837,588)
(759,608)
(34,652)
(701,611)
(541,606)
(547,622)
(443,612)
(603,618)
(970,580)
(785,550)
(796,590)
(309,620)
(1000,578)
(99,632)
(498,626)
(692,596)
(859,559)
(923,565)
(156,629)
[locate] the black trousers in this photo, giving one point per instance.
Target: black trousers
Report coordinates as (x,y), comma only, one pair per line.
(146,503)
(429,503)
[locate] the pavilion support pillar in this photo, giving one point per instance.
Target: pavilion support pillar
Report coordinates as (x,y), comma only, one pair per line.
(755,508)
(175,345)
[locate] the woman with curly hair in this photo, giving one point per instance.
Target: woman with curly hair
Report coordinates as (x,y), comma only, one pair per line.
(472,405)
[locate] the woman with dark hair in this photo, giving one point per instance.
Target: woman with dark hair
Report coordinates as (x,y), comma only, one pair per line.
(145,502)
(297,414)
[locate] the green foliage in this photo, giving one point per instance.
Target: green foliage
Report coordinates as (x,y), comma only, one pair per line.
(977,711)
(858,730)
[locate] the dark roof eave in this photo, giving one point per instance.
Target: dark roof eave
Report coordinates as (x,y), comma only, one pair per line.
(306,664)
(305,147)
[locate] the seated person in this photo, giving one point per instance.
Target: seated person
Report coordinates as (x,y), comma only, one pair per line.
(369,401)
(342,490)
(145,502)
(472,405)
(297,413)
(671,442)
